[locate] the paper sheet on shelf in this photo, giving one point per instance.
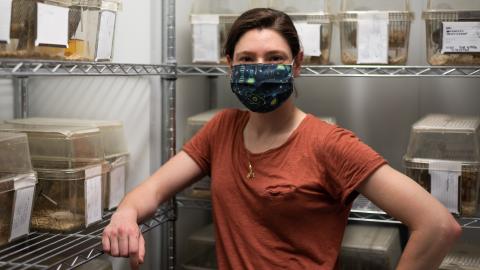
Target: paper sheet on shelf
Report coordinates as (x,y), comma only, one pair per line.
(106,31)
(206,38)
(5,19)
(310,38)
(52,25)
(444,183)
(461,37)
(372,38)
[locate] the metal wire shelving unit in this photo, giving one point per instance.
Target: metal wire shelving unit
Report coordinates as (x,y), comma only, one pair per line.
(349,71)
(66,251)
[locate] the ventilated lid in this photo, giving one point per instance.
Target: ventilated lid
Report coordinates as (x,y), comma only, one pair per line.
(445,137)
(369,238)
(14,153)
(75,174)
(375,5)
(62,3)
(113,137)
(202,118)
(61,143)
(301,6)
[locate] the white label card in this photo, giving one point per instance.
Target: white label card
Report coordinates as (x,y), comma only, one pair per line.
(206,38)
(93,199)
(52,25)
(105,35)
(5,19)
(22,211)
(372,38)
(444,183)
(461,37)
(117,186)
(310,38)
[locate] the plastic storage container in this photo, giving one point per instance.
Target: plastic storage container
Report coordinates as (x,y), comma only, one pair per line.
(452,28)
(370,247)
(202,247)
(201,188)
(460,262)
(61,147)
(67,199)
(313,21)
(374,31)
(102,18)
(211,22)
(115,151)
(14,153)
(443,156)
(17,34)
(16,198)
(78,28)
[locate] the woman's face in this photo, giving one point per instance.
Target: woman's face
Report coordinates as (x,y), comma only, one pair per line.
(263,46)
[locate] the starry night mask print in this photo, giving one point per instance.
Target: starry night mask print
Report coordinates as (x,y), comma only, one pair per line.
(262,87)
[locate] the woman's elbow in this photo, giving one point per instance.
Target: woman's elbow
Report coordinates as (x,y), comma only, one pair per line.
(449,229)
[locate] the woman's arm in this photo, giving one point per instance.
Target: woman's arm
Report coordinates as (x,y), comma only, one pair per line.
(122,236)
(433,230)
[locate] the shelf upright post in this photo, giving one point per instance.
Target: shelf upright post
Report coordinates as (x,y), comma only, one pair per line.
(168,95)
(20,92)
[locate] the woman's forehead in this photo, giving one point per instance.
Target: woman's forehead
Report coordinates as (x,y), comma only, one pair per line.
(262,41)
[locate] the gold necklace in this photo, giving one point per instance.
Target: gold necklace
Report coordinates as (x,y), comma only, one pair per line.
(251,173)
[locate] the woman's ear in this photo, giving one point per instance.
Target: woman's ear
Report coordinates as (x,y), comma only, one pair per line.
(297,65)
(229,63)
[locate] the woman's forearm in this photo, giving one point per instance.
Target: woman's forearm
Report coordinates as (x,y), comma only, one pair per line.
(427,246)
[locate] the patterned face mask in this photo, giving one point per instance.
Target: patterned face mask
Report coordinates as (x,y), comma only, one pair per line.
(262,87)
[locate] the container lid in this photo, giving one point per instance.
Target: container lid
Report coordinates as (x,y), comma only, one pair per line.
(445,137)
(66,132)
(302,6)
(219,7)
(375,5)
(63,3)
(203,117)
(16,181)
(371,238)
(448,5)
(80,173)
(14,153)
(113,137)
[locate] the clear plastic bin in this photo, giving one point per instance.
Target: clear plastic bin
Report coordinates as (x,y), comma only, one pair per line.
(461,16)
(115,151)
(78,28)
(196,122)
(211,21)
(14,153)
(102,19)
(16,198)
(370,247)
(461,262)
(443,156)
(374,31)
(61,147)
(19,42)
(313,21)
(68,199)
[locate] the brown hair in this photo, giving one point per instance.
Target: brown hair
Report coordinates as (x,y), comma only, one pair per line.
(263,18)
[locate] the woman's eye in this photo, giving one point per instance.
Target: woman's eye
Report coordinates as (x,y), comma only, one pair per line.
(245,59)
(276,59)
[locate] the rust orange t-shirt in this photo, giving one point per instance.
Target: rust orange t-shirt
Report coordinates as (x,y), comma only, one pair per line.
(293,213)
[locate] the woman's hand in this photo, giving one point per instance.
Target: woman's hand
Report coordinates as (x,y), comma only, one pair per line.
(122,237)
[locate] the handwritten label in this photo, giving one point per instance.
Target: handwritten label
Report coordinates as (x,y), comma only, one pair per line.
(117,186)
(52,25)
(93,195)
(310,38)
(5,19)
(106,31)
(206,38)
(372,37)
(461,37)
(444,183)
(22,212)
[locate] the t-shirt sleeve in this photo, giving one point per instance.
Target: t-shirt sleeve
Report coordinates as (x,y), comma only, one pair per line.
(348,162)
(199,146)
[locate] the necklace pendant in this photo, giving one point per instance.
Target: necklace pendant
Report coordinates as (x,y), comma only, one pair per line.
(251,173)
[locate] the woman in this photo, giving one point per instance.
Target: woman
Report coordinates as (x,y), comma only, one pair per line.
(283,181)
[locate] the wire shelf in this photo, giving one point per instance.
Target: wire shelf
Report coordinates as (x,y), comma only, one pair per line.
(350,71)
(24,68)
(66,251)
